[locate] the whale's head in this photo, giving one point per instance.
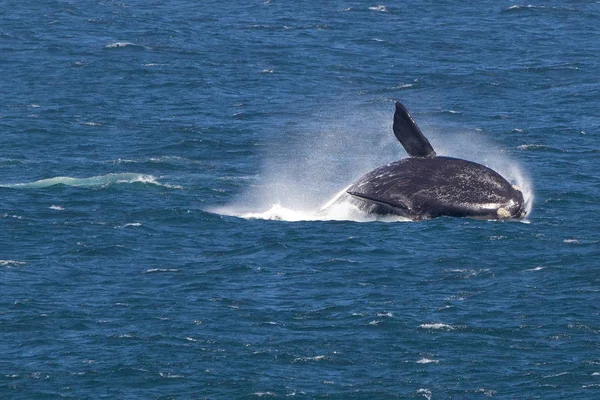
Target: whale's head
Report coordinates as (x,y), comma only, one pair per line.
(514,208)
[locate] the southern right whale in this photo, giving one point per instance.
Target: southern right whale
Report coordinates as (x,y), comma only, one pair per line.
(426,186)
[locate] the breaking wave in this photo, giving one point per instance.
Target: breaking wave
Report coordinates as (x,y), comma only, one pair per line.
(94,181)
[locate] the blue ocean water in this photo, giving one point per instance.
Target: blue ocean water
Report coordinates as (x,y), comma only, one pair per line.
(162,165)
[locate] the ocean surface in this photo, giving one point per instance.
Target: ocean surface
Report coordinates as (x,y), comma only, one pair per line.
(162,168)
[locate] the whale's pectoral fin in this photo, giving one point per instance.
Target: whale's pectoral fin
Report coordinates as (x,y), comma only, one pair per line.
(409,134)
(374,204)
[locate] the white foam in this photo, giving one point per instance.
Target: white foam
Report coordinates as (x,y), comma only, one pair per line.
(130,224)
(536,269)
(265,394)
(11,263)
(152,270)
(427,361)
(339,208)
(57,208)
(94,181)
(344,211)
(387,314)
(306,359)
(437,326)
(118,45)
(169,375)
(425,392)
(378,8)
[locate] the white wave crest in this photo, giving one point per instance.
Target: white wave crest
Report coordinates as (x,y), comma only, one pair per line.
(379,8)
(117,45)
(11,263)
(437,326)
(94,181)
(427,361)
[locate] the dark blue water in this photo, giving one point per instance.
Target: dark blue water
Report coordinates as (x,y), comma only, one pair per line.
(161,165)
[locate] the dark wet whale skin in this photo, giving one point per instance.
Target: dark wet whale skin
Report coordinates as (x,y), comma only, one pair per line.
(423,188)
(427,186)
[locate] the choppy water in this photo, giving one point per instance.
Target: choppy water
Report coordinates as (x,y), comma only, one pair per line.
(162,165)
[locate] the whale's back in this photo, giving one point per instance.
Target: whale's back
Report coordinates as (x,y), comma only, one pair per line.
(420,188)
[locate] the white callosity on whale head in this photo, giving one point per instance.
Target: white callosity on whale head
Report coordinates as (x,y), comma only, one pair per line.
(503,212)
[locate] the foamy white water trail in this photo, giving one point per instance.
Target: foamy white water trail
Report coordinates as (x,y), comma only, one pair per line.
(94,181)
(338,208)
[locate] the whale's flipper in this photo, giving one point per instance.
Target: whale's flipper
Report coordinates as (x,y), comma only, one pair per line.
(409,134)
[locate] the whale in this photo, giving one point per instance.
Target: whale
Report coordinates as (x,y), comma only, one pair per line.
(425,185)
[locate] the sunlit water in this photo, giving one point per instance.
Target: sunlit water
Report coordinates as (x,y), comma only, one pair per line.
(166,169)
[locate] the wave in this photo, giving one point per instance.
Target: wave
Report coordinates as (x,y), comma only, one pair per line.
(120,45)
(427,361)
(168,160)
(437,326)
(94,181)
(533,7)
(539,147)
(11,161)
(11,263)
(379,8)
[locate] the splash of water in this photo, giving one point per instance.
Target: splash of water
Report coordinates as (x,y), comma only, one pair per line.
(303,184)
(339,208)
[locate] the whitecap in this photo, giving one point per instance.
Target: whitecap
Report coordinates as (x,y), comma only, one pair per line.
(425,392)
(118,45)
(265,394)
(427,361)
(130,224)
(57,208)
(378,8)
(11,215)
(532,147)
(437,326)
(306,359)
(169,375)
(152,270)
(94,181)
(536,269)
(11,263)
